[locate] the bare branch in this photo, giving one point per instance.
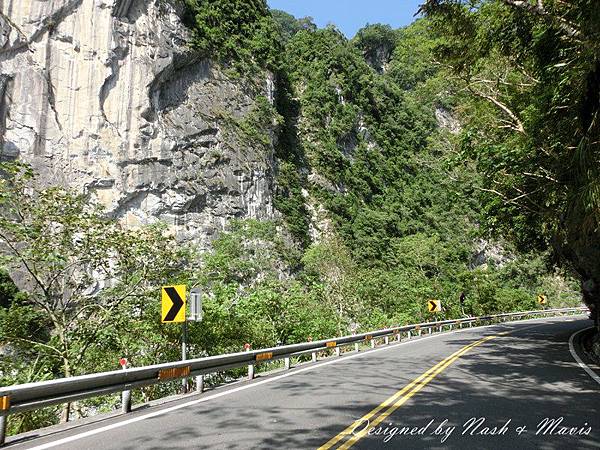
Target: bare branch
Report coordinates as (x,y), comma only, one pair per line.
(492,191)
(15,250)
(517,126)
(502,82)
(513,201)
(545,177)
(67,267)
(107,310)
(29,341)
(539,10)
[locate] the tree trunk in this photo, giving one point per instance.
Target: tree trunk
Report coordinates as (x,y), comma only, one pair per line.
(591,296)
(66,411)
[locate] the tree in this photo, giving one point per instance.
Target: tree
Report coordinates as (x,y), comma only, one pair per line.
(531,75)
(8,290)
(80,270)
(376,42)
(289,25)
(329,263)
(241,32)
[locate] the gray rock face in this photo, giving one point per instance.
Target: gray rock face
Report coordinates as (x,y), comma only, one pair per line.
(447,121)
(489,252)
(379,59)
(107,97)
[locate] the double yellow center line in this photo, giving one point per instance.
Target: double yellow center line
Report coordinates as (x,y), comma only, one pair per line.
(381,412)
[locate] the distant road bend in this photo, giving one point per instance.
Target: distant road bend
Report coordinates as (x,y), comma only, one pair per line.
(513,385)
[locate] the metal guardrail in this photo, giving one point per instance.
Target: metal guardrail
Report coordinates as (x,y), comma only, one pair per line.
(32,396)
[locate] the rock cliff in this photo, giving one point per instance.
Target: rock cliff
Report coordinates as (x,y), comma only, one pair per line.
(106,96)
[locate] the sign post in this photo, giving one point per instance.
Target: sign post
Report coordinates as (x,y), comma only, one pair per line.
(173,310)
(184,337)
(196,316)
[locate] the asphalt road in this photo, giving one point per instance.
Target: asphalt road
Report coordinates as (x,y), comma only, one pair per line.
(510,381)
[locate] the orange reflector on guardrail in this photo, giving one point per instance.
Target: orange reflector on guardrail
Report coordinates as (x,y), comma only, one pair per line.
(417,327)
(176,372)
(331,344)
(264,356)
(4,403)
(368,337)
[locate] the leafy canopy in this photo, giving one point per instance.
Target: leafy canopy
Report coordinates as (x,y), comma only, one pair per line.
(531,74)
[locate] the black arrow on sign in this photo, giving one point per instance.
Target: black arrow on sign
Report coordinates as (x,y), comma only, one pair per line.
(432,305)
(177,304)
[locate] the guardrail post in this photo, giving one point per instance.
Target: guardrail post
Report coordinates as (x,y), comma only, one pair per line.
(441,328)
(408,334)
(250,366)
(200,384)
(373,343)
(356,347)
(470,324)
(429,330)
(125,395)
(451,327)
(399,336)
(387,340)
(286,361)
(337,351)
(126,402)
(3,421)
(419,332)
(314,356)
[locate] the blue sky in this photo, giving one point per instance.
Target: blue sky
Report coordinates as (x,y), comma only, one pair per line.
(351,15)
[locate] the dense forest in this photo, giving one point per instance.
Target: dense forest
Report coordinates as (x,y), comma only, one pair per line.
(458,155)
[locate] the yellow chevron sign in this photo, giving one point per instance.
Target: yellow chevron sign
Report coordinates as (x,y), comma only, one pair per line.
(542,299)
(173,304)
(434,306)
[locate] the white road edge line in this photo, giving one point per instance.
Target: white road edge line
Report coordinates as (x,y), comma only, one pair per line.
(258,383)
(576,357)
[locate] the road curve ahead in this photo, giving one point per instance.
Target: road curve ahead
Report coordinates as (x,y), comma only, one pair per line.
(506,386)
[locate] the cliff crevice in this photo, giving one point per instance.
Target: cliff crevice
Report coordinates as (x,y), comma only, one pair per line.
(109,98)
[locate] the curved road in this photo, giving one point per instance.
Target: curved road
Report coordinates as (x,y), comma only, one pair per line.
(481,388)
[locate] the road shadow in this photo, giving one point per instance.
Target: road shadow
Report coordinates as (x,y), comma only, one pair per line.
(523,377)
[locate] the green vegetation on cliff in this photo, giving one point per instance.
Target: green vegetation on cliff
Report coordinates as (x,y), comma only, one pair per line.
(240,32)
(531,82)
